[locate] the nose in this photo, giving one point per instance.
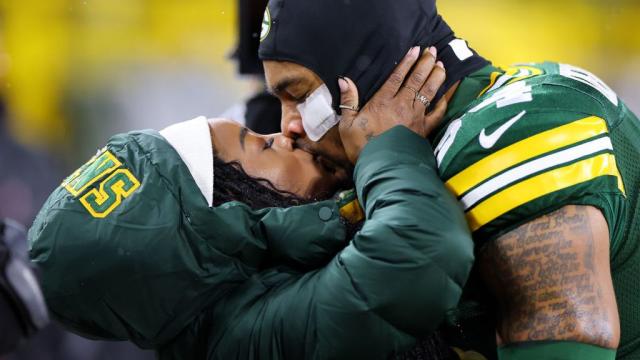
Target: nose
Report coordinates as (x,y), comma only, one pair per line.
(284,142)
(291,124)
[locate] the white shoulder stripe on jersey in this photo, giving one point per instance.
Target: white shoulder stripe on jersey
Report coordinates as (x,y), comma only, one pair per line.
(535,166)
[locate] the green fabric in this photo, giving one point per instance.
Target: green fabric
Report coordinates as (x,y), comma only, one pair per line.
(560,350)
(392,283)
(546,102)
(549,96)
(147,269)
(626,257)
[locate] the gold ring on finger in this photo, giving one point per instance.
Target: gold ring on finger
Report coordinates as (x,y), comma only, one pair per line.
(349,107)
(423,99)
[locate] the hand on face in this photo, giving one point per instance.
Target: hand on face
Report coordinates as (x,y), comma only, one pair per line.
(396,103)
(402,100)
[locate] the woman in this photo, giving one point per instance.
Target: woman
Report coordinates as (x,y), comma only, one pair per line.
(135,245)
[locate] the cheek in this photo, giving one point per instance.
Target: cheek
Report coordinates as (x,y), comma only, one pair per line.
(306,177)
(276,175)
(285,176)
(293,174)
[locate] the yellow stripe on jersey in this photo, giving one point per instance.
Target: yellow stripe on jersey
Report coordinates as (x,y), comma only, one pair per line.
(524,150)
(492,82)
(543,184)
(510,75)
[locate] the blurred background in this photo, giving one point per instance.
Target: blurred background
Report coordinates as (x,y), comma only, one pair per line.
(75,72)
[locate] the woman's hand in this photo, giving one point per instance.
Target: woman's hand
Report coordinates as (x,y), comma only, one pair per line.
(402,100)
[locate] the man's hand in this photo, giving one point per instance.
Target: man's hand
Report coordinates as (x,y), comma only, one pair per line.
(402,100)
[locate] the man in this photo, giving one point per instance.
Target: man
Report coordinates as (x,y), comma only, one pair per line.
(541,157)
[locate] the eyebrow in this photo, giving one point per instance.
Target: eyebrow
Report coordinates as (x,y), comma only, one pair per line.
(283,84)
(243,136)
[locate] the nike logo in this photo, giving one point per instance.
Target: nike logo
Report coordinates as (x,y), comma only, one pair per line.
(488,141)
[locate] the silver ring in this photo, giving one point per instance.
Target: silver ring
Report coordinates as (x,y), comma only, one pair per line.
(423,99)
(349,107)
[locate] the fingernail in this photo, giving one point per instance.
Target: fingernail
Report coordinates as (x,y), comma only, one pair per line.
(433,51)
(343,84)
(415,51)
(439,63)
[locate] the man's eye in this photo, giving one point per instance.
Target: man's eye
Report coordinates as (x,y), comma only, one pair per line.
(299,99)
(268,144)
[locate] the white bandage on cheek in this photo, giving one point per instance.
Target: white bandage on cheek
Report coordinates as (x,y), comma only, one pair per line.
(318,116)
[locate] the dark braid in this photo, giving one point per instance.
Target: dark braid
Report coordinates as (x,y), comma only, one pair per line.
(231,183)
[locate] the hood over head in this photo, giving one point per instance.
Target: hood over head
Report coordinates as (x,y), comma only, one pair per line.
(361,39)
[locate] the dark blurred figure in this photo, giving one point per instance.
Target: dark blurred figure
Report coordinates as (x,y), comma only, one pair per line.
(261,113)
(22,308)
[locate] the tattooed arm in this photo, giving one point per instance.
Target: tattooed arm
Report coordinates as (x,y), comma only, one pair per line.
(552,280)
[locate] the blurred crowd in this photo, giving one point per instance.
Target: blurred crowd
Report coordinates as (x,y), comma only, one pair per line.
(72,73)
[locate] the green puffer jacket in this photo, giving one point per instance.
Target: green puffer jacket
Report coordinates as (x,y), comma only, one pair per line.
(130,250)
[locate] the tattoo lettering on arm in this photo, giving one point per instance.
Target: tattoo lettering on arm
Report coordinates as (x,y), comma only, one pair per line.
(552,280)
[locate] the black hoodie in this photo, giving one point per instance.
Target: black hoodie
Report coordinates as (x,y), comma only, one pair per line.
(361,39)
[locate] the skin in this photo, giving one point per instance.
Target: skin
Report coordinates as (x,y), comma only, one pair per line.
(277,159)
(291,168)
(551,277)
(292,84)
(552,280)
(394,104)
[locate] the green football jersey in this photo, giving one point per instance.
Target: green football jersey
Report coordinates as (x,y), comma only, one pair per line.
(525,141)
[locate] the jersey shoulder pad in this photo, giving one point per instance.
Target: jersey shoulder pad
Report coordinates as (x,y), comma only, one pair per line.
(510,159)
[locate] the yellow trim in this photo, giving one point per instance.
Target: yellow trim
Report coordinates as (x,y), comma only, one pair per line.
(526,149)
(352,212)
(101,195)
(109,158)
(538,186)
(516,69)
(77,173)
(511,72)
(494,78)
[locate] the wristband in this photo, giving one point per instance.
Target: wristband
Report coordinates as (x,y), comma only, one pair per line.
(554,350)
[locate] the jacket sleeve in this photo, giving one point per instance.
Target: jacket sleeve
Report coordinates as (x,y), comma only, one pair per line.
(415,239)
(395,280)
(145,270)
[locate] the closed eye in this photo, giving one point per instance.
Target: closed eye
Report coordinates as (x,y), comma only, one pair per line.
(301,99)
(268,144)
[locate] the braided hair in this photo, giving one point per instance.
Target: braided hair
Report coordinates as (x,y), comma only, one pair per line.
(232,183)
